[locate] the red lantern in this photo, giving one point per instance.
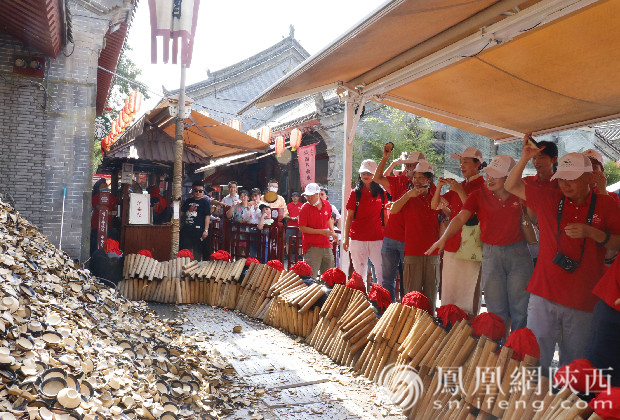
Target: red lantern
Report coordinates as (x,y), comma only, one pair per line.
(126,109)
(126,117)
(295,139)
(279,145)
(114,128)
(235,123)
(137,102)
(265,134)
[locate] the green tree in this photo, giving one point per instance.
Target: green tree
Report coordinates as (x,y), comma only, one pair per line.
(408,132)
(121,88)
(612,170)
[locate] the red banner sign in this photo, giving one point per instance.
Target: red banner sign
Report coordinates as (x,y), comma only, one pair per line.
(306,156)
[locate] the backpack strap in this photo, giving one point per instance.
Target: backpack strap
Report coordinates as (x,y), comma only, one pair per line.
(358,196)
(382,193)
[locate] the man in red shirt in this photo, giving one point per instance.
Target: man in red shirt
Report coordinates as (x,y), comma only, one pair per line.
(575,225)
(317,229)
(393,248)
(293,209)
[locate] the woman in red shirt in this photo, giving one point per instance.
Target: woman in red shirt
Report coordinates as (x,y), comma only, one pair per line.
(460,278)
(363,231)
(506,263)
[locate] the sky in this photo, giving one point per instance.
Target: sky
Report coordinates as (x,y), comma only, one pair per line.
(230,31)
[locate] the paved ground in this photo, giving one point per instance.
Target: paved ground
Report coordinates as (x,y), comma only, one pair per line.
(293,380)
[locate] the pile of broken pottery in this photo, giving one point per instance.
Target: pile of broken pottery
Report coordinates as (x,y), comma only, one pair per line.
(71,348)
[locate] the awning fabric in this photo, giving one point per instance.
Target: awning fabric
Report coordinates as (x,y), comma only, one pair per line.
(206,136)
(559,73)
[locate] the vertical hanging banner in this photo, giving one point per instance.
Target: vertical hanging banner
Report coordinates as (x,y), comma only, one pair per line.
(306,157)
(176,20)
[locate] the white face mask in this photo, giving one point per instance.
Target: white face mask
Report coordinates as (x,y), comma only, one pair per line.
(317,202)
(273,189)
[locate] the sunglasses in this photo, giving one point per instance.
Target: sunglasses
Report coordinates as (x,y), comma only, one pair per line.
(199,191)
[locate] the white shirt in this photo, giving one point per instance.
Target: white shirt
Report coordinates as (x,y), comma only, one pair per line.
(231,200)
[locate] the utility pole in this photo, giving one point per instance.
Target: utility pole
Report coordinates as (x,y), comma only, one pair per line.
(178,166)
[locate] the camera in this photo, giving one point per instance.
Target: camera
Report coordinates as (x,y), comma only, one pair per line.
(565,263)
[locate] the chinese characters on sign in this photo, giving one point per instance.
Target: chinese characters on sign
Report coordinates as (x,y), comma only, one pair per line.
(102,228)
(139,209)
(306,157)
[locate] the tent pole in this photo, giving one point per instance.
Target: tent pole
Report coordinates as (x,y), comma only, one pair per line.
(178,166)
(347,163)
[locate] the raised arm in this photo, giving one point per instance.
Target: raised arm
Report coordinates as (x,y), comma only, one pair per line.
(455,225)
(347,228)
(398,204)
(436,200)
(380,177)
(514,183)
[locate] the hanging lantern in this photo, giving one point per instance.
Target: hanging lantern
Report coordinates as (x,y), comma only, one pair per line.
(279,145)
(253,133)
(114,129)
(265,134)
(126,109)
(295,139)
(126,117)
(137,102)
(235,123)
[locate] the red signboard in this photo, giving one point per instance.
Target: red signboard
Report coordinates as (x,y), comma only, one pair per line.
(306,157)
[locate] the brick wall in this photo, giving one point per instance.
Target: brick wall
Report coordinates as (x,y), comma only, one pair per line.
(46,143)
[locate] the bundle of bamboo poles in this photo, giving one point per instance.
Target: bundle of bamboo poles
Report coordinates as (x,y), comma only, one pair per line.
(327,337)
(145,278)
(385,340)
(254,292)
(290,308)
(212,282)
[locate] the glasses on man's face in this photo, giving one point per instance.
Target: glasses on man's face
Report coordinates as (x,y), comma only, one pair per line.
(199,191)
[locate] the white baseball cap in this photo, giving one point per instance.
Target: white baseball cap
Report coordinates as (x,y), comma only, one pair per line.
(424,166)
(368,165)
(571,166)
(500,166)
(470,152)
(412,157)
(594,154)
(311,189)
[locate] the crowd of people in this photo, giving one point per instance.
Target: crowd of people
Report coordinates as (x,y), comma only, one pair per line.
(473,238)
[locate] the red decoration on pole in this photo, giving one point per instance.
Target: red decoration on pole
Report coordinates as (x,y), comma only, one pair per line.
(174,21)
(279,145)
(295,139)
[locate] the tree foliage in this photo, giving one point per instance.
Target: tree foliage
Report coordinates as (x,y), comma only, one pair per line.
(612,171)
(408,132)
(120,90)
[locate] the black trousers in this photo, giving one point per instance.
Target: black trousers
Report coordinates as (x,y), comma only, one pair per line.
(191,239)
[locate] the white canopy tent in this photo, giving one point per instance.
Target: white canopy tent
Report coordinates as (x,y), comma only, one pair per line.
(496,68)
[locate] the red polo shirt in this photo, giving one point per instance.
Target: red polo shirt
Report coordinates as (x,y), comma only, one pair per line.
(608,287)
(293,211)
(549,280)
(539,182)
(312,217)
(455,204)
(366,226)
(500,221)
(421,225)
(613,195)
(395,226)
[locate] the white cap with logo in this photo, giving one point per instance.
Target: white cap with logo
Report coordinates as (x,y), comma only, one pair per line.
(571,166)
(500,166)
(424,166)
(368,165)
(412,157)
(470,152)
(311,189)
(593,154)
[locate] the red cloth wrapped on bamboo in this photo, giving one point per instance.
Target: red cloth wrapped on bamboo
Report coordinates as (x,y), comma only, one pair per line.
(146,253)
(581,376)
(185,253)
(302,269)
(417,300)
(221,255)
(489,324)
(276,264)
(251,260)
(523,341)
(607,404)
(451,314)
(334,276)
(356,282)
(111,246)
(380,295)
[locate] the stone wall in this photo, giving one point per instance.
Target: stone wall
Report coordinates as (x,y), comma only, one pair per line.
(47,130)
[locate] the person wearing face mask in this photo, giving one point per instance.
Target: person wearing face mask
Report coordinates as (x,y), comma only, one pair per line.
(421,271)
(506,262)
(317,229)
(393,248)
(576,225)
(460,279)
(272,186)
(363,231)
